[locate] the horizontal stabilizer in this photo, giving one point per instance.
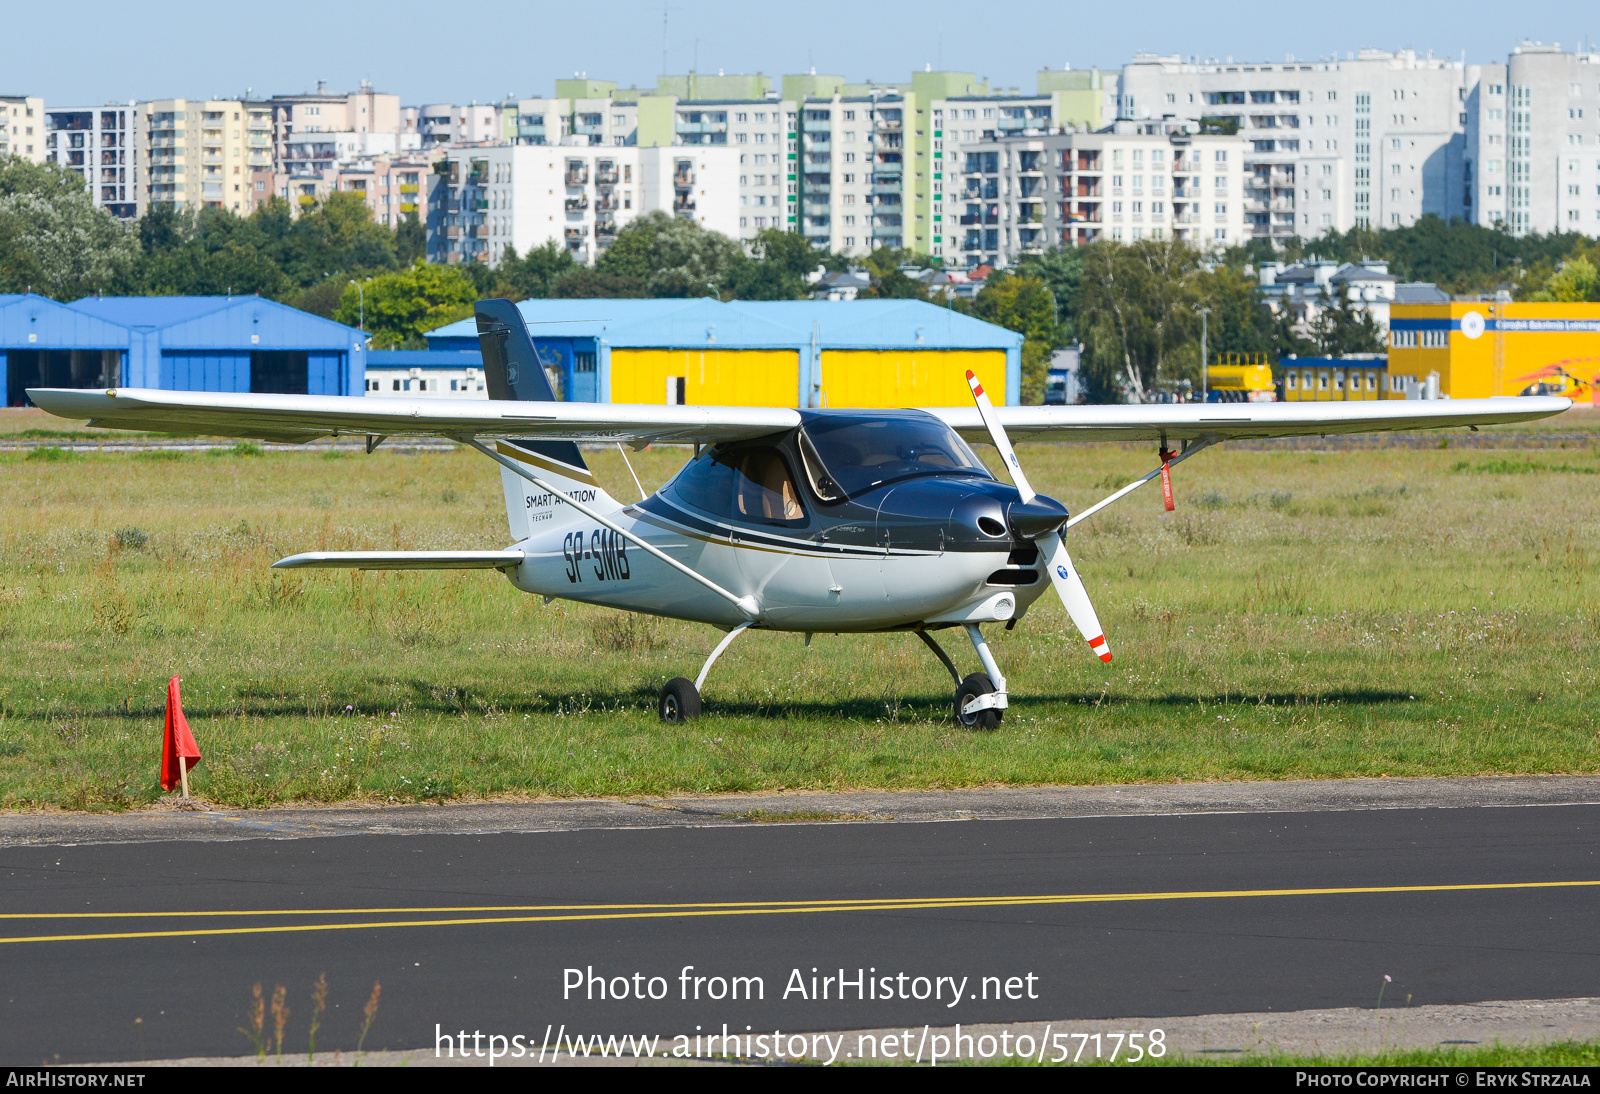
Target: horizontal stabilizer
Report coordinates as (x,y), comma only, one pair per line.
(401,560)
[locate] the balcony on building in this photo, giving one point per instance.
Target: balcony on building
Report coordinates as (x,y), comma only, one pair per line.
(578,204)
(577,173)
(606,174)
(683,174)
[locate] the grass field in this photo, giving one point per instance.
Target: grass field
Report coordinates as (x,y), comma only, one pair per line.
(1388,612)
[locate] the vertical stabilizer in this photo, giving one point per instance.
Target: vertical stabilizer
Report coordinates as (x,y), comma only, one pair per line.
(512,370)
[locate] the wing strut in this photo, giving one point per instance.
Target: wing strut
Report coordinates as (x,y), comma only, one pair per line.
(746,604)
(1189,449)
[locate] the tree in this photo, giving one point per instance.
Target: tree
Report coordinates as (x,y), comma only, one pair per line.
(584,282)
(55,240)
(402,306)
(775,268)
(1061,269)
(1023,304)
(532,277)
(410,240)
(1342,326)
(1135,314)
(671,256)
(1576,280)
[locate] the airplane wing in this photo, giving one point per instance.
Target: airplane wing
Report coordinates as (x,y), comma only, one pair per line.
(300,418)
(1237,421)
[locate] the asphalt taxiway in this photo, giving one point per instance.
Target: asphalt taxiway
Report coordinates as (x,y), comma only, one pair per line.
(143,937)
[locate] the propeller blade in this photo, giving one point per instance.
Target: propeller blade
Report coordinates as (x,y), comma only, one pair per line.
(1069,586)
(997,434)
(1063,574)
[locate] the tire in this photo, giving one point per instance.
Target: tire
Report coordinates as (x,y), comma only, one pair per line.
(680,701)
(976,684)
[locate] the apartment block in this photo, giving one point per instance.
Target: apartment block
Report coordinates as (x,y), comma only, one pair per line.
(850,166)
(578,196)
(22,127)
(103,145)
(1021,195)
(364,110)
(1550,140)
(1377,139)
(443,124)
(394,187)
(203,153)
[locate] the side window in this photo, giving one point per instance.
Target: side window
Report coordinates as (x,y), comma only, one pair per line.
(764,491)
(707,484)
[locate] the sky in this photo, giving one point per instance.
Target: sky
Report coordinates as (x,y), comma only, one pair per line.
(93,51)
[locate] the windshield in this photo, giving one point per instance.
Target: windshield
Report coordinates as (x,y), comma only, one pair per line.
(860,454)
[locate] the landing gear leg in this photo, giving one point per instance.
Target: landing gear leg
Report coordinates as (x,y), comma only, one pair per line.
(981,697)
(944,658)
(680,699)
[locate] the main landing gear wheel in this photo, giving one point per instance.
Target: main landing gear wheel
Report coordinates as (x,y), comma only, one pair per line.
(680,701)
(973,686)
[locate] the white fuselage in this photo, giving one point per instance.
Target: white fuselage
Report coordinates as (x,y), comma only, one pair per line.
(802,587)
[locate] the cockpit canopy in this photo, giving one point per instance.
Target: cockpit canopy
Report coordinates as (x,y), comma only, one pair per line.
(848,454)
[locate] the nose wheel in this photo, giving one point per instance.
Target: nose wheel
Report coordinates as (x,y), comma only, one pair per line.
(976,703)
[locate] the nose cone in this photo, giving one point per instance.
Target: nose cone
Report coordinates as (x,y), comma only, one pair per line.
(1035,518)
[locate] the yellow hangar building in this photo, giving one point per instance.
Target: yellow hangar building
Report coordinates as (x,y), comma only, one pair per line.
(803,353)
(1475,349)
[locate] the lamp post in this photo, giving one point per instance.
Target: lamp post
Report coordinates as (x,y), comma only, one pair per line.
(1203,313)
(361,297)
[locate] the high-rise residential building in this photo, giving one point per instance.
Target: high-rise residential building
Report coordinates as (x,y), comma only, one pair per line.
(851,166)
(582,111)
(101,143)
(1539,141)
(22,127)
(1377,139)
(199,153)
(364,110)
(442,124)
(577,196)
(1012,196)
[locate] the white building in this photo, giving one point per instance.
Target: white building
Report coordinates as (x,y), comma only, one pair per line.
(1131,181)
(579,196)
(319,152)
(1538,124)
(1303,291)
(103,144)
(1375,140)
(400,374)
(22,127)
(446,124)
(364,110)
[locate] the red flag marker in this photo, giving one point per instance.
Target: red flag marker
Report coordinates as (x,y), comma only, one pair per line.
(1166,479)
(179,752)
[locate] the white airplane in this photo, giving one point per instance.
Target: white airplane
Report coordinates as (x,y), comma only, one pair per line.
(788,520)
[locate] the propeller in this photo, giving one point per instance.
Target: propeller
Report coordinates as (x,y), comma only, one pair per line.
(1063,574)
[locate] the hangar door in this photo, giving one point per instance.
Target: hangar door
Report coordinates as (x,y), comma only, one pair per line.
(86,368)
(275,372)
(909,378)
(709,377)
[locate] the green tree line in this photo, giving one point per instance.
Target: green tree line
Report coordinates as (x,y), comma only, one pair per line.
(1135,308)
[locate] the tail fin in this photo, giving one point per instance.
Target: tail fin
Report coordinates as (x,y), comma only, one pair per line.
(513,371)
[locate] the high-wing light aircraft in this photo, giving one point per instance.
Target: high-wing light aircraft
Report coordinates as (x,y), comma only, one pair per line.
(792,520)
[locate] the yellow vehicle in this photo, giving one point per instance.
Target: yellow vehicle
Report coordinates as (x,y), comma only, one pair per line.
(1240,378)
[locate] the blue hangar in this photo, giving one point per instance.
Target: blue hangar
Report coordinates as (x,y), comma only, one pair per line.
(180,343)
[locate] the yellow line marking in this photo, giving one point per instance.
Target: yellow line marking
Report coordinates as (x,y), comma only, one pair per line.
(563,913)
